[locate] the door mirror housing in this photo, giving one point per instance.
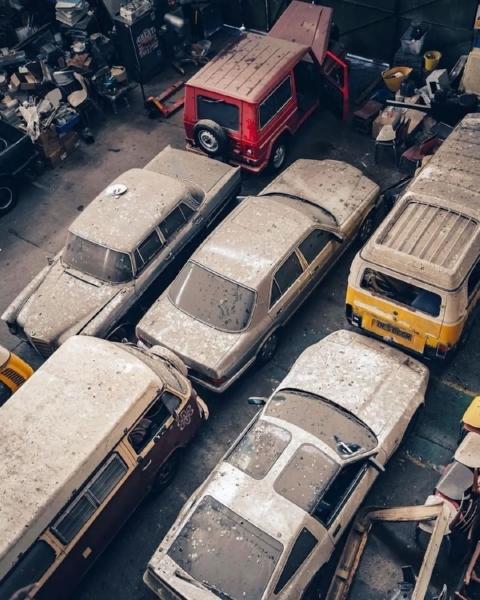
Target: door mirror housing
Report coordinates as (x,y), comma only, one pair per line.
(257,401)
(376,465)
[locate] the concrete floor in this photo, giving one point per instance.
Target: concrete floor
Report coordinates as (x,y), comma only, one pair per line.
(36,230)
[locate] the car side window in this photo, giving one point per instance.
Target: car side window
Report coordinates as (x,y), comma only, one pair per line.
(74,517)
(31,567)
(474,280)
(175,220)
(285,277)
(313,244)
(147,250)
(339,490)
(274,102)
(152,422)
(301,550)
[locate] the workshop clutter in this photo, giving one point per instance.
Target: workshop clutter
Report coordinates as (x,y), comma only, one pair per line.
(54,147)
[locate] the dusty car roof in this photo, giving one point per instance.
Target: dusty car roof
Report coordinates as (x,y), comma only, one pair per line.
(252,240)
(58,427)
(332,184)
(120,223)
(434,229)
(364,376)
(248,67)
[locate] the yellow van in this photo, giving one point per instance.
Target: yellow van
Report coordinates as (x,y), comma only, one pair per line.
(416,283)
(82,442)
(13,373)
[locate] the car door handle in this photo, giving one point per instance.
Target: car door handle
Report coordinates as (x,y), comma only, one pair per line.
(146,466)
(337,530)
(279,312)
(316,268)
(197,220)
(169,256)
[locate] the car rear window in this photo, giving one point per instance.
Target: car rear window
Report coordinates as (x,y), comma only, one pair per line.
(224,113)
(306,477)
(212,299)
(337,428)
(259,449)
(225,553)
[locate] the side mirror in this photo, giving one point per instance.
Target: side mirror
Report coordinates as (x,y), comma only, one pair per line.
(376,465)
(257,401)
(339,238)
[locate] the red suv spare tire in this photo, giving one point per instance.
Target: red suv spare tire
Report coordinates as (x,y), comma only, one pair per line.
(210,137)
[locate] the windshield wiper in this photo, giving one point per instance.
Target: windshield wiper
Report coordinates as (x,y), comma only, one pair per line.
(207,587)
(309,202)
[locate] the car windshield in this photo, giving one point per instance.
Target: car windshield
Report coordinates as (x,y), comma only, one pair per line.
(212,299)
(96,260)
(337,428)
(306,477)
(230,556)
(259,449)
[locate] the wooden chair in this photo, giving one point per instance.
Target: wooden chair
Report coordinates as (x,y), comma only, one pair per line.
(392,136)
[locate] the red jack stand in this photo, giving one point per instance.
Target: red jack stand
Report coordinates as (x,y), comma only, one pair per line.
(154,104)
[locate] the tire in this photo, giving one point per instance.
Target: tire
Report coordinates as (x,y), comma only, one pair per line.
(166,474)
(465,337)
(367,227)
(152,113)
(411,426)
(268,349)
(278,155)
(8,194)
(39,167)
(210,137)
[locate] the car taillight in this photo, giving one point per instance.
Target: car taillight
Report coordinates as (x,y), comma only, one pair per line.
(352,317)
(143,342)
(442,350)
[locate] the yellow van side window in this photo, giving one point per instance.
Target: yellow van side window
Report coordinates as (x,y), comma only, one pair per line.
(402,292)
(94,493)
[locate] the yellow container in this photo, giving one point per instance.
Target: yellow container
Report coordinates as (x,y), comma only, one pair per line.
(432,59)
(393,77)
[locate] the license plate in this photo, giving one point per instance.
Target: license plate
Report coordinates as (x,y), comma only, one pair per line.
(393,330)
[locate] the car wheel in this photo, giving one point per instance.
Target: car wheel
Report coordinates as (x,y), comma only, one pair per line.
(8,194)
(166,474)
(267,351)
(411,426)
(278,156)
(210,137)
(367,227)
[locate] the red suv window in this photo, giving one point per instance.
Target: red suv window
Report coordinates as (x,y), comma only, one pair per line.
(275,102)
(227,115)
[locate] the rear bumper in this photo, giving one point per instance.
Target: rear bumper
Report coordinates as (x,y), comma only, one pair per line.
(218,389)
(247,166)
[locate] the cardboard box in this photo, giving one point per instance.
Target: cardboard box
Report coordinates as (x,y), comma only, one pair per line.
(23,81)
(48,142)
(69,141)
(54,159)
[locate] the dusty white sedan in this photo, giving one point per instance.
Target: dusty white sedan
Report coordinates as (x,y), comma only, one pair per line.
(227,307)
(271,513)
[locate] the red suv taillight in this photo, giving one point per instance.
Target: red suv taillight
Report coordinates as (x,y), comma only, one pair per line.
(442,350)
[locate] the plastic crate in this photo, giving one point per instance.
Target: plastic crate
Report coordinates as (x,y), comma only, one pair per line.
(68,125)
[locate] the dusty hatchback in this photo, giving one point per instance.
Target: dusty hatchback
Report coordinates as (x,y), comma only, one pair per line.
(269,516)
(83,441)
(227,306)
(248,102)
(118,247)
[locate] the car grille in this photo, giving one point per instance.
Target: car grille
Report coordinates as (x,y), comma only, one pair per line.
(13,376)
(43,347)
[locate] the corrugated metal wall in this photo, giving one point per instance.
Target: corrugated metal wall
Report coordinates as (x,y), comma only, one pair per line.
(372,28)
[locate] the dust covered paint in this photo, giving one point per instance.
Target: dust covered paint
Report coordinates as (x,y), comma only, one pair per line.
(278,483)
(118,246)
(235,293)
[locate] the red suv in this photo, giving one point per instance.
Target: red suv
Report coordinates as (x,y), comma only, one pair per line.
(245,105)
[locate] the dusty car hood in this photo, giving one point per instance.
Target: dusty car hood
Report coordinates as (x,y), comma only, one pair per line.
(331,184)
(64,302)
(201,347)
